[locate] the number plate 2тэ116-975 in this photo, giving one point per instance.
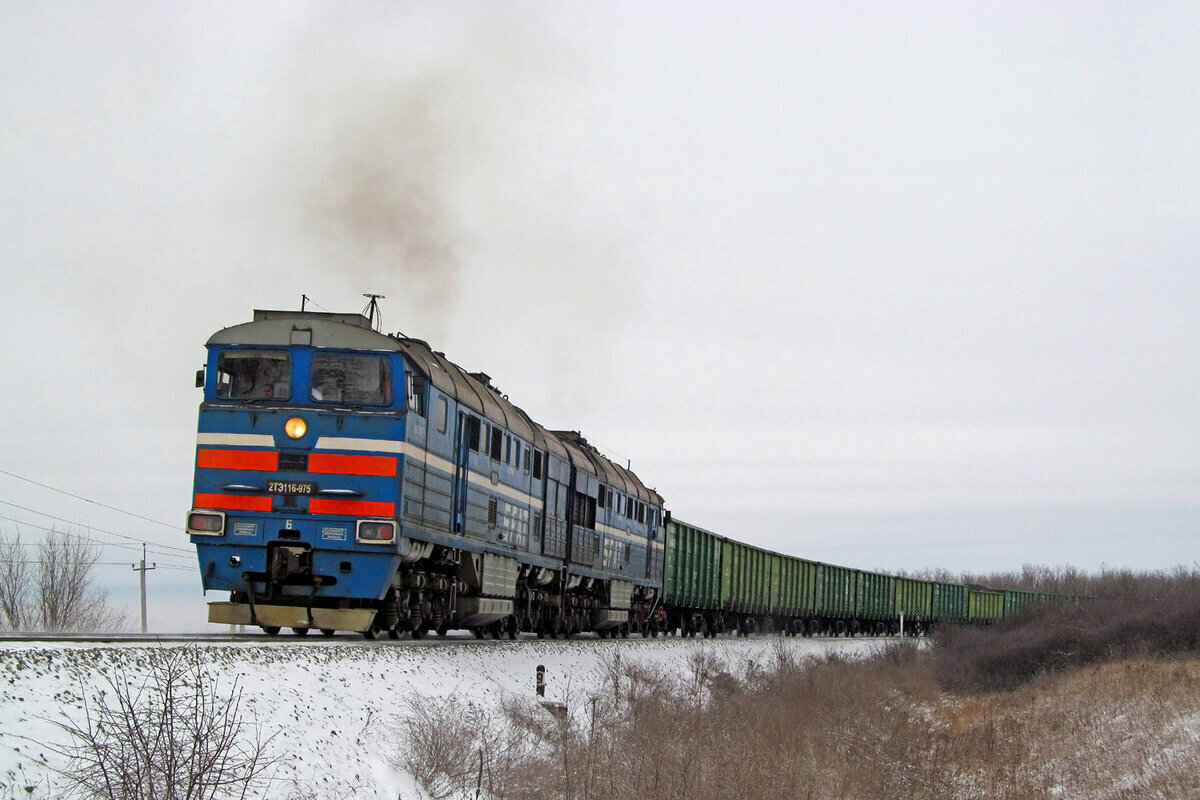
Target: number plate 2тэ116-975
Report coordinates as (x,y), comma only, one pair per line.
(291,487)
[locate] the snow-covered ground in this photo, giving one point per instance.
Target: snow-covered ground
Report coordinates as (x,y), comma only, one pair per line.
(332,705)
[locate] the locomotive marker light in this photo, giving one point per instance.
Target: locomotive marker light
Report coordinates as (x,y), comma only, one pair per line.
(295,428)
(376,531)
(205,523)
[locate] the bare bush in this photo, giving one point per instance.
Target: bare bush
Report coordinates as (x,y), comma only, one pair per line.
(1068,580)
(881,728)
(15,583)
(175,735)
(1152,621)
(442,742)
(55,590)
(455,748)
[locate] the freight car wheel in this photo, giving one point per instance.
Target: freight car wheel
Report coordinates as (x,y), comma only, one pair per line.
(271,630)
(369,633)
(442,630)
(327,632)
(300,631)
(418,632)
(393,633)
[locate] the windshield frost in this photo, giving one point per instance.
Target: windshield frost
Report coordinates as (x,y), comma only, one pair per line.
(248,375)
(351,380)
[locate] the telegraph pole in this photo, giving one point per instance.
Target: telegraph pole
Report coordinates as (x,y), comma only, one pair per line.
(141,567)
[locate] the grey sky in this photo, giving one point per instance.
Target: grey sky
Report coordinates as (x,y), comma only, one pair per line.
(894,286)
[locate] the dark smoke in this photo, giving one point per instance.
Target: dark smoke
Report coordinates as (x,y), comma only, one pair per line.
(380,196)
(455,178)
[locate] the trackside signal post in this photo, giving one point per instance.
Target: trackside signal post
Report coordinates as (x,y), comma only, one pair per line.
(557,710)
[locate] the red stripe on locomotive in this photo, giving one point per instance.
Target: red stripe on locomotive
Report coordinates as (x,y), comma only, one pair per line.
(333,463)
(265,460)
(355,508)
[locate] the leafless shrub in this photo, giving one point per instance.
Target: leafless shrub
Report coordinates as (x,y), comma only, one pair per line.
(442,744)
(54,590)
(456,748)
(1068,580)
(175,735)
(830,727)
(1152,621)
(15,583)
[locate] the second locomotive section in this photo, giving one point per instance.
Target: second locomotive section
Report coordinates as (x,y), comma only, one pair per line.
(348,480)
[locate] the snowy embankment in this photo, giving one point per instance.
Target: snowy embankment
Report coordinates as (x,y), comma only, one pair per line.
(333,707)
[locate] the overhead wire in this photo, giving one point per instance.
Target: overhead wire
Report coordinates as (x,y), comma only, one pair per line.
(101,530)
(113,564)
(68,534)
(88,500)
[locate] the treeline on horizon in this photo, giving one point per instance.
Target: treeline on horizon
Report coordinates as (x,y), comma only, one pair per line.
(1068,580)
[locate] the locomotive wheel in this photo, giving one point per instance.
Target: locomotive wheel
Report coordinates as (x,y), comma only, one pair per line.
(300,631)
(327,632)
(271,630)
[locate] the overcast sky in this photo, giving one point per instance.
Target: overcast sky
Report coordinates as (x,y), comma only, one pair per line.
(891,286)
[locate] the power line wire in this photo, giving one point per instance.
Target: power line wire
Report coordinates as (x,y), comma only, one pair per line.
(108,564)
(87,500)
(101,530)
(84,538)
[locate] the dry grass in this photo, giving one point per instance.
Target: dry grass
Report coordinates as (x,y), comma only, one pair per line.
(1116,730)
(882,729)
(1045,640)
(1092,702)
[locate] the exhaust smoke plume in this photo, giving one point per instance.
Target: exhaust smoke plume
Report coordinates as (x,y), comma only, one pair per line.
(377,200)
(456,177)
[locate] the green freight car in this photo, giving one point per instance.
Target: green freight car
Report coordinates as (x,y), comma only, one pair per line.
(914,602)
(874,603)
(691,577)
(950,603)
(713,584)
(798,590)
(749,585)
(835,596)
(984,605)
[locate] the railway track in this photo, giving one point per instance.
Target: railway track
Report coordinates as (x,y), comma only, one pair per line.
(258,637)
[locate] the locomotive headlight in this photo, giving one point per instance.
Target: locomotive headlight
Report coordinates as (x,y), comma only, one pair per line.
(295,427)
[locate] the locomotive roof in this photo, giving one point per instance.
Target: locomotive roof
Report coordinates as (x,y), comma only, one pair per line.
(354,332)
(271,328)
(606,470)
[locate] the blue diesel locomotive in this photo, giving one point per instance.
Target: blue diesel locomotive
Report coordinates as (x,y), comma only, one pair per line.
(352,480)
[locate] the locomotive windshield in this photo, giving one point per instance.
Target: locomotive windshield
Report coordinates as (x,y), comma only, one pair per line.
(351,380)
(253,374)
